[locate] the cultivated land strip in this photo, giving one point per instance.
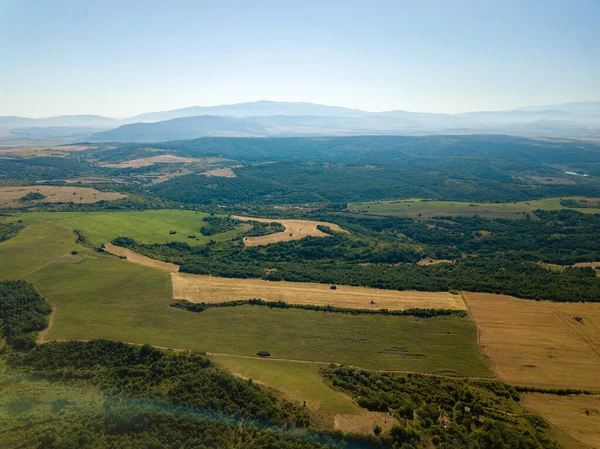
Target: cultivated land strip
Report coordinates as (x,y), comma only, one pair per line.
(212,289)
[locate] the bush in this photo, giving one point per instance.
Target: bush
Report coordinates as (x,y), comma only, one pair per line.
(32,196)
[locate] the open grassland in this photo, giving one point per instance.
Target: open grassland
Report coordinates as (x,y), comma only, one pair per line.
(36,246)
(9,196)
(577,416)
(104,297)
(152,226)
(539,343)
(428,209)
(294,230)
(212,289)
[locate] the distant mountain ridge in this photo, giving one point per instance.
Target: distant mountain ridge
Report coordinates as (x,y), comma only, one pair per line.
(268,118)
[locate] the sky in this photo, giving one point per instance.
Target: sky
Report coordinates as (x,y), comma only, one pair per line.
(123,57)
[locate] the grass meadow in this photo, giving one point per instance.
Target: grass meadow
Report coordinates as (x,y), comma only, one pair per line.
(427,209)
(152,226)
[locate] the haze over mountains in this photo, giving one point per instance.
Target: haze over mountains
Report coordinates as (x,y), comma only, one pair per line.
(270,118)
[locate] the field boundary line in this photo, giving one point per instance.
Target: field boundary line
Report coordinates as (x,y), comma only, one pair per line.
(478,334)
(578,334)
(555,426)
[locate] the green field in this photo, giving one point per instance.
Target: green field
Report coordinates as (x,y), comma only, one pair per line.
(427,209)
(34,247)
(104,297)
(97,295)
(152,226)
(296,381)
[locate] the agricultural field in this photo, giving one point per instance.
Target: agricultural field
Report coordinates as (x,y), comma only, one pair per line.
(577,416)
(9,196)
(212,289)
(539,343)
(427,209)
(97,295)
(106,298)
(152,226)
(294,230)
(35,246)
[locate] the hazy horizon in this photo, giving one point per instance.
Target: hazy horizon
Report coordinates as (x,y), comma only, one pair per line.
(120,59)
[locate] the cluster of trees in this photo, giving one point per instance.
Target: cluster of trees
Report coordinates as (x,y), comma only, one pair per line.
(444,412)
(32,196)
(414,312)
(23,313)
(8,230)
(260,228)
(216,225)
(161,400)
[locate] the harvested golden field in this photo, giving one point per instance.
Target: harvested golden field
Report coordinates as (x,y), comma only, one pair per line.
(220,173)
(577,416)
(199,288)
(294,230)
(138,258)
(9,196)
(163,159)
(539,343)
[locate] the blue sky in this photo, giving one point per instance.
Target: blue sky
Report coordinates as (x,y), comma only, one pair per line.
(120,58)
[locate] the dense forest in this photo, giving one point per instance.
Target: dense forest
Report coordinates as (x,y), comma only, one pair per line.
(495,256)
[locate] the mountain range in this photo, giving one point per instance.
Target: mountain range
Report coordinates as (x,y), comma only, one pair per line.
(269,118)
